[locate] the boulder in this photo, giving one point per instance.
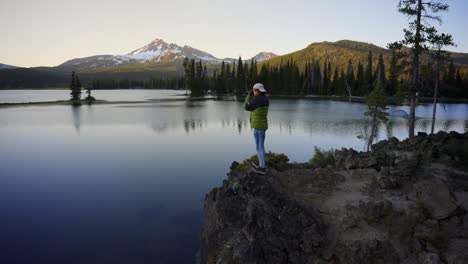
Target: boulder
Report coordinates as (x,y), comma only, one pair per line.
(435,195)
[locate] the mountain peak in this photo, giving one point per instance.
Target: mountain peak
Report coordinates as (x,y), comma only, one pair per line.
(154,46)
(157,40)
(264,55)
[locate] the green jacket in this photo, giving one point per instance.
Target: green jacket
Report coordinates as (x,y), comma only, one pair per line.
(258,108)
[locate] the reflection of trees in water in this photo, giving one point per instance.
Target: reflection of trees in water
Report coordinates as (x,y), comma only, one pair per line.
(224,123)
(447,124)
(287,126)
(366,132)
(389,128)
(466,125)
(347,127)
(190,122)
(160,128)
(355,128)
(239,126)
(339,128)
(423,125)
(76,115)
(192,125)
(193,104)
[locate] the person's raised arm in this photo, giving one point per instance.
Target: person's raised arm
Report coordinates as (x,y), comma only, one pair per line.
(247,103)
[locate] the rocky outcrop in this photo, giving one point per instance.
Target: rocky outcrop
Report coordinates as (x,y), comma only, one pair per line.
(404,202)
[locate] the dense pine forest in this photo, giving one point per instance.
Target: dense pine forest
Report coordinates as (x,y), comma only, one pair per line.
(23,78)
(323,77)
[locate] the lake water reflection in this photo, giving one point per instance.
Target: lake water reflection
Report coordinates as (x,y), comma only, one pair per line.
(125,183)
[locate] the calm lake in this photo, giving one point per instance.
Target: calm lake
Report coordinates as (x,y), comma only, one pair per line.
(125,183)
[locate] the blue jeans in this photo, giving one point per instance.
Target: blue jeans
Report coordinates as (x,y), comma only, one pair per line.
(259,135)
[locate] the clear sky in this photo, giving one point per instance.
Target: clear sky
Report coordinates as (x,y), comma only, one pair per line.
(49,32)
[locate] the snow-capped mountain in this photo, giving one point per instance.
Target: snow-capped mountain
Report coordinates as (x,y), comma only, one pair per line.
(160,51)
(157,51)
(263,56)
(5,66)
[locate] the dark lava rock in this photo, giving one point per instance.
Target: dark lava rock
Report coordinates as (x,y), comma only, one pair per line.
(403,202)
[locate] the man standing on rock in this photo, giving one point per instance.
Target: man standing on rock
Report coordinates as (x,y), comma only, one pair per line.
(258,107)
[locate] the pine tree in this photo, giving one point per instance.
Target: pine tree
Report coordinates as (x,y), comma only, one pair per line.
(451,71)
(360,83)
(376,111)
(394,72)
(194,76)
(336,80)
(228,79)
(247,76)
(459,78)
(416,37)
(89,98)
(439,56)
(326,79)
(368,74)
(253,73)
(240,78)
(75,87)
(342,87)
(380,72)
(264,76)
(221,87)
(349,80)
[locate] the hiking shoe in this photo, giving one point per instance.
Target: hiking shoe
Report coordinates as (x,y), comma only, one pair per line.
(255,165)
(260,170)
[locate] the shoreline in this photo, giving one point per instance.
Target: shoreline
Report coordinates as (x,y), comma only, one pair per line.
(354,99)
(103,102)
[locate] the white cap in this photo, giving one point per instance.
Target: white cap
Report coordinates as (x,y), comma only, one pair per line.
(259,86)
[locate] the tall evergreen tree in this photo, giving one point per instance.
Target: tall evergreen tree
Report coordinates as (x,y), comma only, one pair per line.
(416,38)
(368,74)
(194,76)
(451,72)
(75,87)
(264,76)
(380,72)
(376,111)
(349,80)
(342,84)
(336,80)
(247,76)
(228,79)
(439,56)
(89,98)
(360,83)
(253,73)
(221,87)
(325,79)
(394,73)
(240,77)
